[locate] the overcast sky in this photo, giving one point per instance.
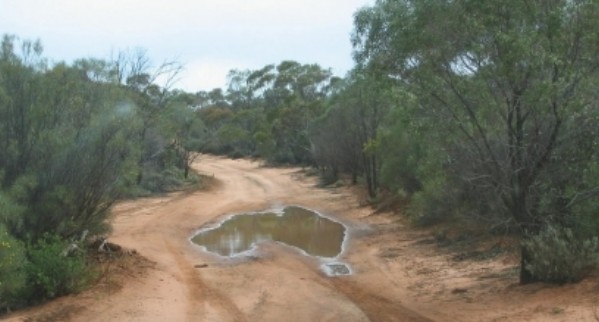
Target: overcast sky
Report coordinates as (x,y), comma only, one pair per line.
(208,37)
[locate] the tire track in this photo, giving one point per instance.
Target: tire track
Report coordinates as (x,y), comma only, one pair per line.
(376,307)
(200,293)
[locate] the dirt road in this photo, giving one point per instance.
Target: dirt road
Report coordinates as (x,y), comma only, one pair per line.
(397,274)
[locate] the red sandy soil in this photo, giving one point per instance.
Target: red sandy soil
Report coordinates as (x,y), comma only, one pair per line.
(399,273)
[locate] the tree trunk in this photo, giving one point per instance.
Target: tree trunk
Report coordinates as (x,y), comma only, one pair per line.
(371,176)
(140,176)
(526,276)
(375,176)
(141,160)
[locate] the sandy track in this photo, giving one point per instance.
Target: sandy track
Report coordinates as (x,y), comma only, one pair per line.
(396,276)
(278,285)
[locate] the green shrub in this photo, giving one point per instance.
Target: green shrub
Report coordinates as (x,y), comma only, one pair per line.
(156,181)
(432,204)
(328,176)
(557,255)
(51,273)
(12,276)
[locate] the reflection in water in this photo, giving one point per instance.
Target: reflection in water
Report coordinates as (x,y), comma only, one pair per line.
(298,227)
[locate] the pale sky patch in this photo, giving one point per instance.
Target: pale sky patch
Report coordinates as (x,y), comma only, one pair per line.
(205,73)
(208,37)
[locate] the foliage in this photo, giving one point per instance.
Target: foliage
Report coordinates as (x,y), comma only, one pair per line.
(346,138)
(73,140)
(12,261)
(408,148)
(59,114)
(507,91)
(557,255)
(431,204)
(266,112)
(51,273)
(163,180)
(76,138)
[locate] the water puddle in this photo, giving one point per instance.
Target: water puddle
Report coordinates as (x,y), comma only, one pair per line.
(294,226)
(304,229)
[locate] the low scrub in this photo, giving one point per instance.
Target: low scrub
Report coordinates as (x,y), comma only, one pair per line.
(54,271)
(40,271)
(557,255)
(12,260)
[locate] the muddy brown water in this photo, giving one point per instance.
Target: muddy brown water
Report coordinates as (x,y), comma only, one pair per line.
(294,226)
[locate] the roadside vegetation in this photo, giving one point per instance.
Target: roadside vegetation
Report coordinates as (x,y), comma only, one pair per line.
(468,111)
(481,112)
(499,121)
(73,140)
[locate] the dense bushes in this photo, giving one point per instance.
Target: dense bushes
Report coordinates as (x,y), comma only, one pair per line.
(163,181)
(557,255)
(12,261)
(500,124)
(73,140)
(266,113)
(39,271)
(52,270)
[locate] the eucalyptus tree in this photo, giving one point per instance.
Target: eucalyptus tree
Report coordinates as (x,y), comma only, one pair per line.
(295,97)
(17,108)
(266,112)
(64,145)
(149,88)
(186,131)
(509,78)
(347,138)
(246,86)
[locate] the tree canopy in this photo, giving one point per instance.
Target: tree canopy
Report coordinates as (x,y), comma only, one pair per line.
(512,84)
